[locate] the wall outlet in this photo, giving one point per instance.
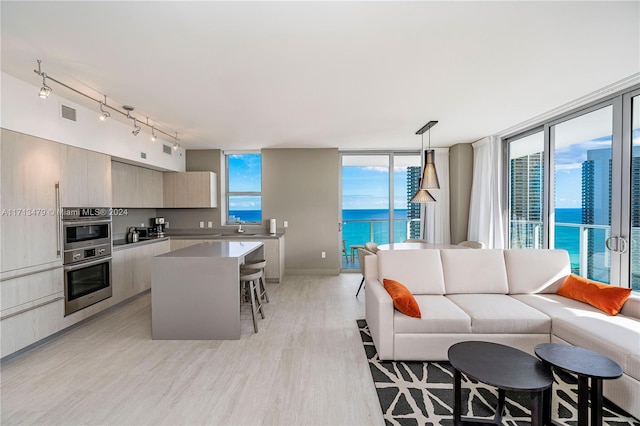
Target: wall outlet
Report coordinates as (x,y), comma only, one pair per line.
(209,224)
(142,225)
(201,224)
(285,224)
(166,224)
(324,254)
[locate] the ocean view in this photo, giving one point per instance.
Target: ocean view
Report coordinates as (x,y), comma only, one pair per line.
(365,225)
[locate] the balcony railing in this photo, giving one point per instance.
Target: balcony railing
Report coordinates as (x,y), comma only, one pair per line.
(360,231)
(584,242)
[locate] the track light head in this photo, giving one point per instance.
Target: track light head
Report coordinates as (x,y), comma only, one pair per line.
(136,128)
(103,114)
(45,90)
(176,146)
(153,134)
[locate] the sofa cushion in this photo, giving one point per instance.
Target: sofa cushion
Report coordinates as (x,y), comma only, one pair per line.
(419,270)
(402,298)
(555,305)
(474,271)
(439,315)
(536,271)
(607,298)
(499,313)
(615,337)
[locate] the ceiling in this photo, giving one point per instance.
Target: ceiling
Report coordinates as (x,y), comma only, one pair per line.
(352,75)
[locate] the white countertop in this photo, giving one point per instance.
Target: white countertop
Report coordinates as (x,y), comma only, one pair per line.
(218,249)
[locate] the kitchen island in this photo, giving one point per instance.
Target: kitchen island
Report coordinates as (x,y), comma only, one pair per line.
(195,291)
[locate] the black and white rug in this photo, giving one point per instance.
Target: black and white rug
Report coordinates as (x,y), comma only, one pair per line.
(421,393)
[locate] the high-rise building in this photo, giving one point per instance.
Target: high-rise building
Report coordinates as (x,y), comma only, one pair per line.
(526,200)
(413,209)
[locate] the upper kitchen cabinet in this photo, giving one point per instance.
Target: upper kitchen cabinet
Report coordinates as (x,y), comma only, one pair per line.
(190,189)
(136,187)
(30,200)
(86,178)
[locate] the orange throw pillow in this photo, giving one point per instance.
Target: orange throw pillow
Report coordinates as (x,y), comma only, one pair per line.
(605,297)
(402,298)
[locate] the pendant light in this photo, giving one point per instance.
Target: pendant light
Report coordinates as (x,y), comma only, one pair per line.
(429,175)
(429,178)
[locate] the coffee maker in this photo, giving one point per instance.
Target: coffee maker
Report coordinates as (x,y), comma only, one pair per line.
(157,224)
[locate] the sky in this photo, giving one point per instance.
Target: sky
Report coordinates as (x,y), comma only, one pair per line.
(365,188)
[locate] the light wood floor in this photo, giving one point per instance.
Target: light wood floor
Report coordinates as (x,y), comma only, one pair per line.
(305,366)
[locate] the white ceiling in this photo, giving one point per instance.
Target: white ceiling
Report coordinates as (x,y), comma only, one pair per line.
(352,75)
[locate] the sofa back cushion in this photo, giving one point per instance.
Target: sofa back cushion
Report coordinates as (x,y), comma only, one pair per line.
(474,271)
(419,270)
(536,270)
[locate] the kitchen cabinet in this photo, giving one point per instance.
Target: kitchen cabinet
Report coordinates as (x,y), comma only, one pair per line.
(190,189)
(32,308)
(85,178)
(131,268)
(30,227)
(136,187)
(274,255)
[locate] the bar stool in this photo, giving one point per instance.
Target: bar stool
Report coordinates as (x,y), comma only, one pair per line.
(248,280)
(258,264)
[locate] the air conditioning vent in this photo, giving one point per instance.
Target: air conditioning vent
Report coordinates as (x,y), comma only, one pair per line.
(166,149)
(143,155)
(68,113)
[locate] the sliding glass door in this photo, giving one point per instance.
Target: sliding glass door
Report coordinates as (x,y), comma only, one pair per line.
(574,184)
(582,200)
(376,188)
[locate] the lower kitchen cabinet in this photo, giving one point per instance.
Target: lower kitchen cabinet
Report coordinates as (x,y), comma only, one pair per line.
(32,308)
(131,269)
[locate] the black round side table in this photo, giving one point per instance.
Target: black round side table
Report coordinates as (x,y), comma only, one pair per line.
(586,364)
(504,367)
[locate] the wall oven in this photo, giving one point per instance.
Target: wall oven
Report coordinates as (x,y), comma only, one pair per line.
(87,257)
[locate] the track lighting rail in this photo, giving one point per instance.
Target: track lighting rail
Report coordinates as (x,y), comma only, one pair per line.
(103,104)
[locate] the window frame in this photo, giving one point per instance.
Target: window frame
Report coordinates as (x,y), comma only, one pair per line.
(228,193)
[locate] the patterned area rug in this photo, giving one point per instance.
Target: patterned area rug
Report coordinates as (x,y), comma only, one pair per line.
(421,393)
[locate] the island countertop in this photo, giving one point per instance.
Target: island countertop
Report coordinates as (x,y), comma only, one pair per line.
(216,249)
(195,291)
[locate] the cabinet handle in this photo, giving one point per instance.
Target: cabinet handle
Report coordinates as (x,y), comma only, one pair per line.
(57,213)
(22,311)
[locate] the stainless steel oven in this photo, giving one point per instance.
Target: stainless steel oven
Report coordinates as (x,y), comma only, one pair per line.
(87,257)
(86,283)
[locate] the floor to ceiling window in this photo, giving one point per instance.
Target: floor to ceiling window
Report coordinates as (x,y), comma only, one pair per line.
(526,169)
(581,222)
(375,203)
(574,184)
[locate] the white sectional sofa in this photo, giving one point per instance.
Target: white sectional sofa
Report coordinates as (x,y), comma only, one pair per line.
(501,296)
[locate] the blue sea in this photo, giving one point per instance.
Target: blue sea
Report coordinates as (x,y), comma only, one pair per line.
(360,226)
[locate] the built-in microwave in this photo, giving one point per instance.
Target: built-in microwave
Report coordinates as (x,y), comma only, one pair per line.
(85,227)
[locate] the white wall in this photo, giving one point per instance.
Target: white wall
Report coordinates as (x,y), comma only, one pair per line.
(25,112)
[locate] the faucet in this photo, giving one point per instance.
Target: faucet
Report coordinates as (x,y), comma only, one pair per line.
(240,230)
